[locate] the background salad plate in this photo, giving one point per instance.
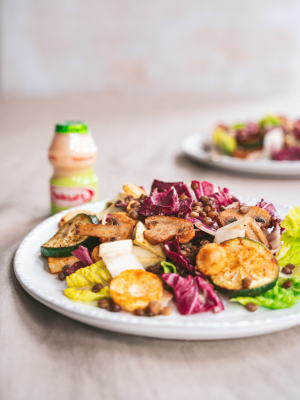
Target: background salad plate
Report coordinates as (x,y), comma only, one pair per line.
(235,321)
(194,147)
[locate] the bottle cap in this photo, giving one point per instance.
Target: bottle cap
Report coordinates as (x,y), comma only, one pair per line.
(67,127)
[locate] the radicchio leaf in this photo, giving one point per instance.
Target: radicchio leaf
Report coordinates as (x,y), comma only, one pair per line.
(185,207)
(200,225)
(75,267)
(173,251)
(203,189)
(269,207)
(180,187)
(165,203)
(193,294)
(83,255)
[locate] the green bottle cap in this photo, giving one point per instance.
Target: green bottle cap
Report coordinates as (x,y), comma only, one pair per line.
(67,127)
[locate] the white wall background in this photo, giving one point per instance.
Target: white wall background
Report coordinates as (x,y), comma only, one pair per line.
(227,48)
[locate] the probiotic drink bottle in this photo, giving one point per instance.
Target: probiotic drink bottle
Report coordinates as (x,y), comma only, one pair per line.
(72,154)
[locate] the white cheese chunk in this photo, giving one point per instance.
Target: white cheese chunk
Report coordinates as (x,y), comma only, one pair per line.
(118,257)
(231,231)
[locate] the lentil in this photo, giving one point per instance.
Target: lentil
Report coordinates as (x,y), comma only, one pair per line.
(287,284)
(97,287)
(182,197)
(166,311)
(207,208)
(194,185)
(61,276)
(136,204)
(104,303)
(286,271)
(114,307)
(207,221)
(194,214)
(222,208)
(139,312)
(243,209)
(133,214)
(251,307)
(204,199)
(246,282)
(65,268)
(154,307)
(204,242)
(290,266)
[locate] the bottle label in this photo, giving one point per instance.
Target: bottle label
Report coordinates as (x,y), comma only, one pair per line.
(63,196)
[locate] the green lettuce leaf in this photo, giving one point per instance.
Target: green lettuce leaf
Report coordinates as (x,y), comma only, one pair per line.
(276,298)
(290,250)
(168,267)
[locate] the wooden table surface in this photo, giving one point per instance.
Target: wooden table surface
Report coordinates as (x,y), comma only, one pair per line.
(45,355)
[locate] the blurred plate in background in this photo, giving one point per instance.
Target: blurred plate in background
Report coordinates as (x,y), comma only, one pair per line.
(194,145)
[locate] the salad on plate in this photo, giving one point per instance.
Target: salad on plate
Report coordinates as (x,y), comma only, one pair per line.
(274,137)
(186,246)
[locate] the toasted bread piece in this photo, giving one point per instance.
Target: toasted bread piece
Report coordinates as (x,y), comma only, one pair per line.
(134,289)
(118,227)
(140,240)
(72,214)
(162,228)
(56,264)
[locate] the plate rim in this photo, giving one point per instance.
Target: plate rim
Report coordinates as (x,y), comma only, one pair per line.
(125,322)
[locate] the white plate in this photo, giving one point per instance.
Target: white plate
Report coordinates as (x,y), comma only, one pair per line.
(192,146)
(32,272)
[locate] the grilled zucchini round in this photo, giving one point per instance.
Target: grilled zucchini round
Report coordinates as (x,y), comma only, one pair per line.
(65,240)
(246,258)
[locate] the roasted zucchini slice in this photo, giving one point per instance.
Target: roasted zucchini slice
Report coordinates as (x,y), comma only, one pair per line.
(250,271)
(65,240)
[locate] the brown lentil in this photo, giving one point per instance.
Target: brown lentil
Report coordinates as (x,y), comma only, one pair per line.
(139,312)
(136,204)
(222,208)
(104,303)
(207,208)
(204,199)
(287,284)
(149,313)
(207,221)
(194,214)
(166,311)
(114,307)
(194,185)
(202,213)
(155,307)
(142,197)
(65,268)
(251,307)
(155,269)
(133,214)
(243,209)
(290,266)
(286,271)
(195,249)
(97,287)
(204,242)
(212,215)
(198,204)
(182,197)
(61,276)
(246,282)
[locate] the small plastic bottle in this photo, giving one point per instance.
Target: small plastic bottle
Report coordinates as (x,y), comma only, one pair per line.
(72,154)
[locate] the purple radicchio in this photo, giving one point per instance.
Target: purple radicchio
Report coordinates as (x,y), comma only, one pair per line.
(185,207)
(180,187)
(173,252)
(165,203)
(208,189)
(269,207)
(210,229)
(193,294)
(84,257)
